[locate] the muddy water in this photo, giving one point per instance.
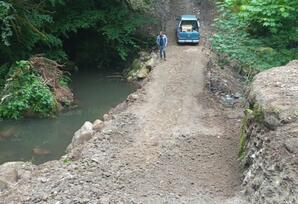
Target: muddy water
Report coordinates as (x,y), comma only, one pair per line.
(40,140)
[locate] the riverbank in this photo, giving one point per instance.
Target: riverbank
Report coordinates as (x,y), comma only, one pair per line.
(26,140)
(169,142)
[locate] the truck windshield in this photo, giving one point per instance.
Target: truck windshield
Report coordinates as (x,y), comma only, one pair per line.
(189,26)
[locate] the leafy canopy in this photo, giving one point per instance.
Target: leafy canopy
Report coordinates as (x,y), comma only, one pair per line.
(36,26)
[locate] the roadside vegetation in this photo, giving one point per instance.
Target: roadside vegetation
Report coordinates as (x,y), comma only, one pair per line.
(259,34)
(84,31)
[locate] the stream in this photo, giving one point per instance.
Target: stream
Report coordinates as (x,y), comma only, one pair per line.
(41,140)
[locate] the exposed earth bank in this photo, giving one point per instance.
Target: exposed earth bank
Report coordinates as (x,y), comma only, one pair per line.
(270,137)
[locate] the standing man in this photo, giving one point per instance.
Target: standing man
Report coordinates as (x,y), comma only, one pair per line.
(162,42)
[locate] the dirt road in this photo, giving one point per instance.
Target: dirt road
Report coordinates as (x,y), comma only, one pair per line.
(172,145)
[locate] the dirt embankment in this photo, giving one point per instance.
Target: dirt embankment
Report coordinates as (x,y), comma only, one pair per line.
(170,143)
(270,137)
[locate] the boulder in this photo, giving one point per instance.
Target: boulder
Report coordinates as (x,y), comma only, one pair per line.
(106,117)
(132,97)
(144,56)
(81,136)
(269,137)
(154,55)
(292,145)
(12,172)
(98,125)
(276,91)
(143,73)
(150,63)
(130,79)
(9,173)
(141,67)
(136,65)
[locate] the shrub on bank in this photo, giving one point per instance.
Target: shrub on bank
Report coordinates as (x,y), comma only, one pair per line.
(26,93)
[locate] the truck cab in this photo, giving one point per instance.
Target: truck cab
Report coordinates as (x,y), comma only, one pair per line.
(188,29)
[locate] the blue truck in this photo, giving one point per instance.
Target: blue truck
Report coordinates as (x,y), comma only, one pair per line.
(188,29)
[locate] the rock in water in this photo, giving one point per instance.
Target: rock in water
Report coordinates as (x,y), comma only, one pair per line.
(81,136)
(106,117)
(7,133)
(40,151)
(98,125)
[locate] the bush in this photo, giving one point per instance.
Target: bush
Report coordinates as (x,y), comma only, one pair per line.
(25,92)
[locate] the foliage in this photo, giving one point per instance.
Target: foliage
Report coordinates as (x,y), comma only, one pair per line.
(4,69)
(31,27)
(269,17)
(6,30)
(114,23)
(259,34)
(25,29)
(66,161)
(139,4)
(64,80)
(25,92)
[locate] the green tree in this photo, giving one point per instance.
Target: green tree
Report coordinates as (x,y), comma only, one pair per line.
(36,26)
(259,34)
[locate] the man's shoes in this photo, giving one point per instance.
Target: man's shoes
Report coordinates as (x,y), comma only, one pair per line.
(165,59)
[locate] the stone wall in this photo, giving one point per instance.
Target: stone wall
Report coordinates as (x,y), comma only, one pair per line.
(269,137)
